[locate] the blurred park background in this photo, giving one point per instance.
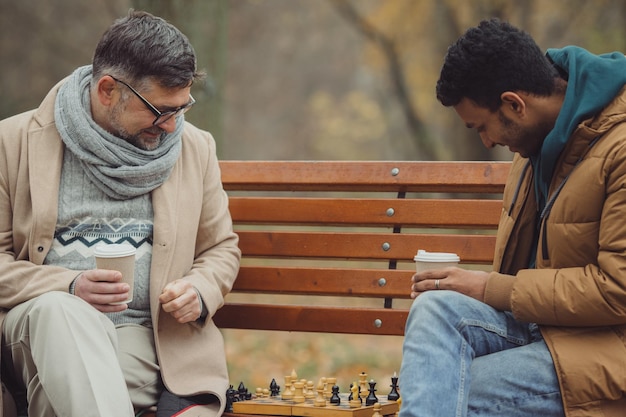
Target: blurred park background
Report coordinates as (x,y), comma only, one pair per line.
(304,80)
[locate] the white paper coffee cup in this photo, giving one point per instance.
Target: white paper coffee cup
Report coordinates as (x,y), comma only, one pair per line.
(118,257)
(434,260)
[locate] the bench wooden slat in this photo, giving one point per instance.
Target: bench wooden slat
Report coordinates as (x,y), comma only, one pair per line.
(312,319)
(324,281)
(466,177)
(367,212)
(470,248)
(321,246)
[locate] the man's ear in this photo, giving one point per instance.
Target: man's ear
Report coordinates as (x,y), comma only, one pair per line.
(105,90)
(513,103)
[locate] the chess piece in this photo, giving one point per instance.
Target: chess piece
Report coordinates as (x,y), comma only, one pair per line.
(362,384)
(231,397)
(334,398)
(377,413)
(310,390)
(294,378)
(274,388)
(288,393)
(298,395)
(371,398)
(355,401)
(330,383)
(243,393)
(304,387)
(394,395)
(320,401)
(259,392)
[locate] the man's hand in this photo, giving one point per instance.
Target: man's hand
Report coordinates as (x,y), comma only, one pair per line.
(470,283)
(100,288)
(180,299)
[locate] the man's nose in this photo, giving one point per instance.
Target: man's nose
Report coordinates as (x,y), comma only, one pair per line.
(169,125)
(487,142)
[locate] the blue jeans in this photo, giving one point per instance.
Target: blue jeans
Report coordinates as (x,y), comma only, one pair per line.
(463,358)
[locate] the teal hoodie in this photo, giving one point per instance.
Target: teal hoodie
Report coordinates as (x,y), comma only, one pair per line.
(593,81)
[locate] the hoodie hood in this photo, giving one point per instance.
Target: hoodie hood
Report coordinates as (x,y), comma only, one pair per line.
(593,81)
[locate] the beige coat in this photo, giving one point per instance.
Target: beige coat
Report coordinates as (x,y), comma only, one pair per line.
(578,292)
(193,239)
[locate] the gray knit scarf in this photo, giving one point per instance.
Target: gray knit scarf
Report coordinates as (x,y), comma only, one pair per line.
(120,169)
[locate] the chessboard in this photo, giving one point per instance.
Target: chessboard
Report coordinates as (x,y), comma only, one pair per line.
(274,406)
(303,399)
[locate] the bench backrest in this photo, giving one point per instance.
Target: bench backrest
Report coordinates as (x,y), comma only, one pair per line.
(329,246)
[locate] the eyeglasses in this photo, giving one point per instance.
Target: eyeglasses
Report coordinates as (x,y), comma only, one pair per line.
(160,117)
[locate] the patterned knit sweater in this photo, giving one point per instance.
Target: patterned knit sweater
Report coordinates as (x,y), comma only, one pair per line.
(88,217)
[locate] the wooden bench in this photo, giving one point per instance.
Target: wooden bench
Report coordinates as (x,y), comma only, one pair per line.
(348,231)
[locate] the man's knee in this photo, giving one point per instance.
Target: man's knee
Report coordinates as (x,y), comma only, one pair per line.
(433,302)
(443,307)
(57,308)
(54,302)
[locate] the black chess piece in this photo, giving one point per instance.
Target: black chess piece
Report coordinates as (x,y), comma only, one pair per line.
(231,397)
(243,392)
(351,396)
(371,398)
(393,394)
(274,388)
(334,398)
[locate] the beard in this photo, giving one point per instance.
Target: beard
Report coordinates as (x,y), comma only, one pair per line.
(136,139)
(525,141)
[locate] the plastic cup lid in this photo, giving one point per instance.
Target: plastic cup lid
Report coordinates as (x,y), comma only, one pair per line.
(423,256)
(114,250)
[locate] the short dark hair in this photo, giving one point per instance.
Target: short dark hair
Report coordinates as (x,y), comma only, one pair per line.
(141,46)
(490,59)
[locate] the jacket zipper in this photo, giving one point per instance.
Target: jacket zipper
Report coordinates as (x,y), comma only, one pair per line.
(548,208)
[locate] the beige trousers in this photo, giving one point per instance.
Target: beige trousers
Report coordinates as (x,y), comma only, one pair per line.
(73,362)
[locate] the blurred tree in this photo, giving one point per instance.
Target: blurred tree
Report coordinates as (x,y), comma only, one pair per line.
(37,49)
(392,55)
(283,55)
(298,79)
(407,40)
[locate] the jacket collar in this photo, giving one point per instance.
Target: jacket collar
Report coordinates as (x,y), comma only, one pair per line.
(592,82)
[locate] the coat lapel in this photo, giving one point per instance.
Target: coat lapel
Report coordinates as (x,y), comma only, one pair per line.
(45,162)
(164,203)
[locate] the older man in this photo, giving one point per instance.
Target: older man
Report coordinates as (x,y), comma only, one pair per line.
(108,158)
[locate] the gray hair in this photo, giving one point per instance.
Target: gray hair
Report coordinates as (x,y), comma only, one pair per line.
(141,46)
